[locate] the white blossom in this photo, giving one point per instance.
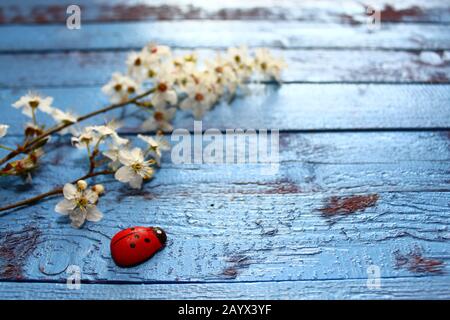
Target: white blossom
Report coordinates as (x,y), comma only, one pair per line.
(269,66)
(30,102)
(160,119)
(225,77)
(200,99)
(85,138)
(164,93)
(184,68)
(155,56)
(120,87)
(95,135)
(112,153)
(135,168)
(186,64)
(109,130)
(79,204)
(136,63)
(157,53)
(241,62)
(63,116)
(156,145)
(3,130)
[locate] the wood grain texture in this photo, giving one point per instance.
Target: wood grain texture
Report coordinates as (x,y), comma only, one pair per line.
(363,177)
(220,34)
(274,229)
(340,106)
(399,288)
(396,152)
(348,11)
(95,68)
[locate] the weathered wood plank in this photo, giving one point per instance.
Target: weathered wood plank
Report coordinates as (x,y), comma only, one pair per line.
(399,288)
(220,34)
(308,106)
(237,223)
(348,11)
(406,161)
(95,68)
(276,237)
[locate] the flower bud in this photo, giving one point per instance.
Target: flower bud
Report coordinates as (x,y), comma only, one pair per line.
(98,189)
(82,185)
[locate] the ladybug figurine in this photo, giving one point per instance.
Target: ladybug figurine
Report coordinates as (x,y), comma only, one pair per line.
(135,245)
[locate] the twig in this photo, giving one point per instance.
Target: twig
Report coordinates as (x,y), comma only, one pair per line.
(28,146)
(53,192)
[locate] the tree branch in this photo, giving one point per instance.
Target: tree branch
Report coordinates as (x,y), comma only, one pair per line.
(28,146)
(53,192)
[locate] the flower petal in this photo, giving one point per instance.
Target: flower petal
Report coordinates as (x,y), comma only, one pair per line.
(165,126)
(125,157)
(3,130)
(77,216)
(91,196)
(118,140)
(146,172)
(111,154)
(77,223)
(136,182)
(27,111)
(70,191)
(93,214)
(158,100)
(65,206)
(171,97)
(137,154)
(149,125)
(149,140)
(186,104)
(124,174)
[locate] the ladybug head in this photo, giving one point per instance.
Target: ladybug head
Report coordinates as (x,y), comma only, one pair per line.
(160,234)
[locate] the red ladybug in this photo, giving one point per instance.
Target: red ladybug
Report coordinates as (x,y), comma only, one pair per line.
(135,245)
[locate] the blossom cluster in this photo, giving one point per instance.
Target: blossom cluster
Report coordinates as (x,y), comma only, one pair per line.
(130,165)
(184,82)
(30,104)
(33,102)
(80,203)
(164,83)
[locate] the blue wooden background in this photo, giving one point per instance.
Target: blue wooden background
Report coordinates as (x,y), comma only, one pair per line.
(364,124)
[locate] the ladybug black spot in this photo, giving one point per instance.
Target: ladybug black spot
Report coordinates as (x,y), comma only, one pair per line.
(132,245)
(136,236)
(147,240)
(131,229)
